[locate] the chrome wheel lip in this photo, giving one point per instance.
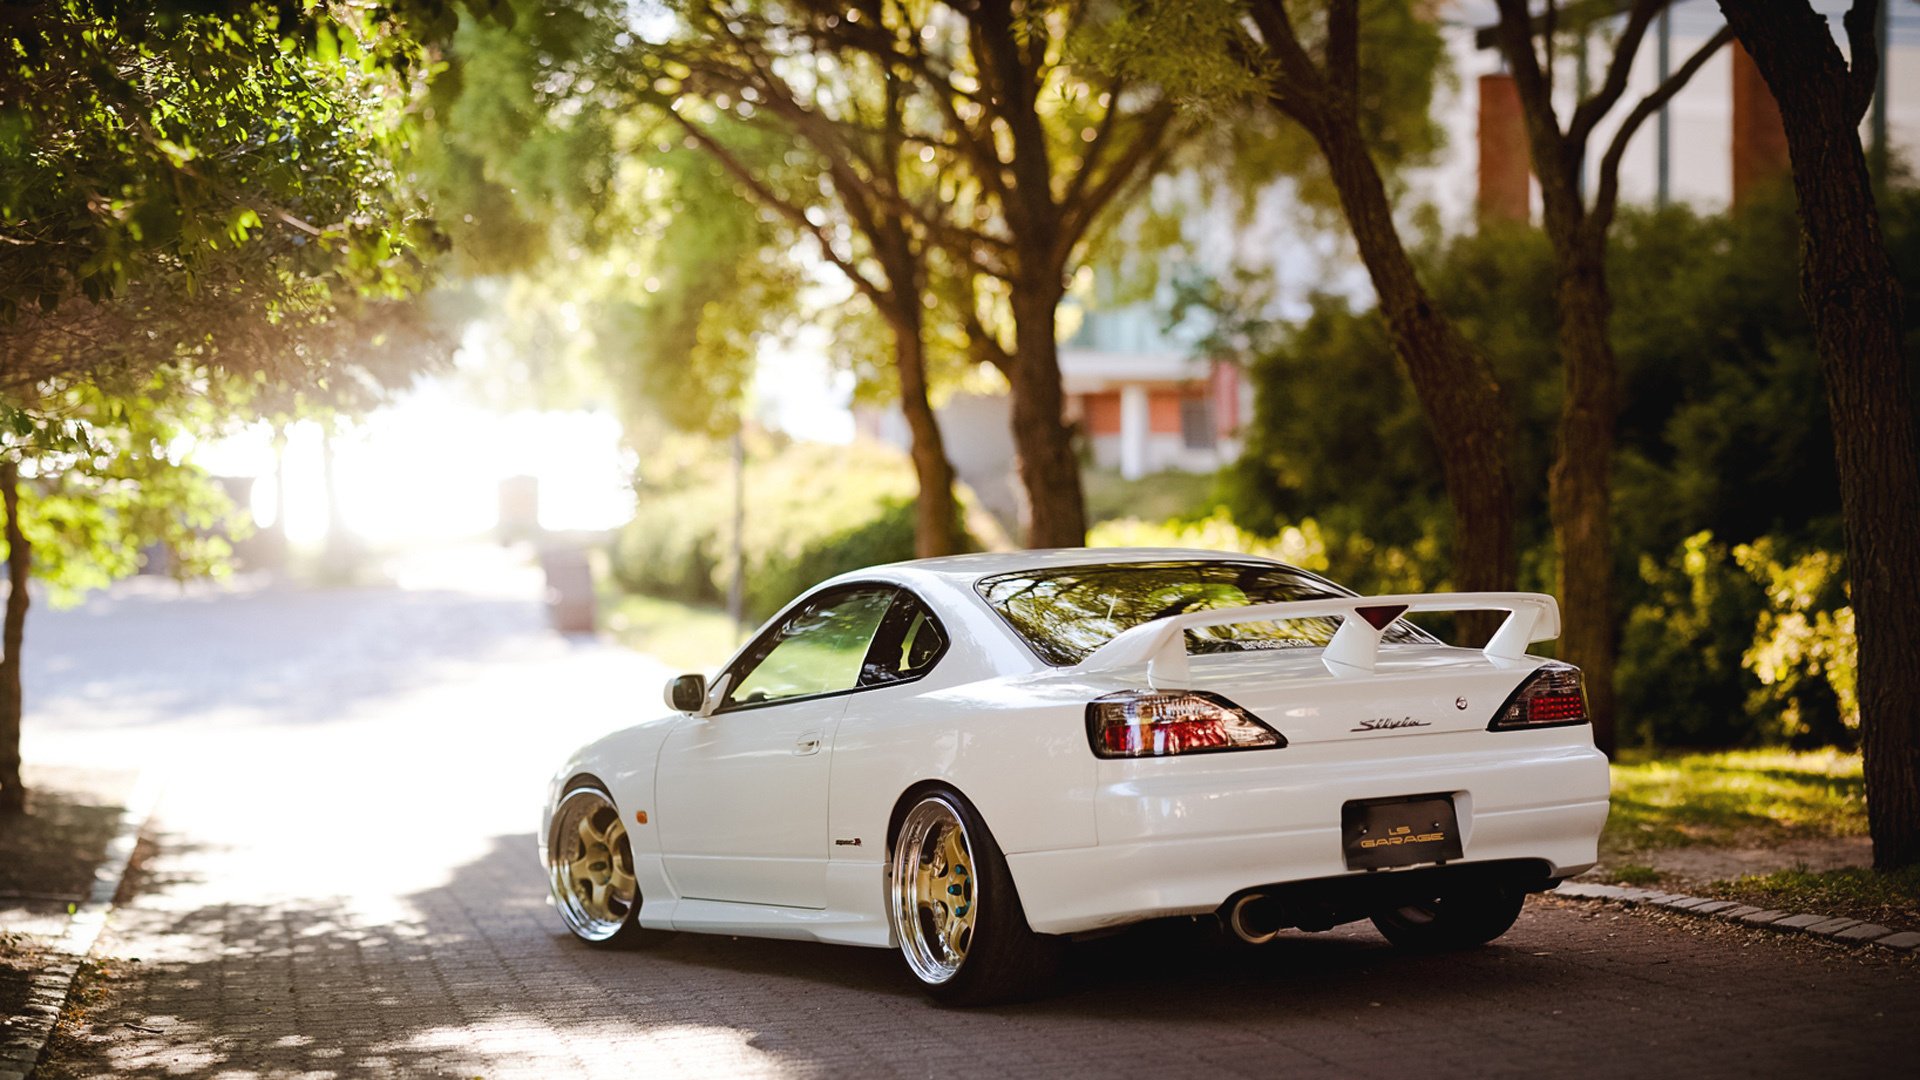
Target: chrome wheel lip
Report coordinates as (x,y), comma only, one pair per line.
(608,897)
(923,833)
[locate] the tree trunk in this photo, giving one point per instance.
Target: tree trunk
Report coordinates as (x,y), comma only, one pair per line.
(936,528)
(1848,286)
(13,793)
(1454,383)
(1580,484)
(1049,468)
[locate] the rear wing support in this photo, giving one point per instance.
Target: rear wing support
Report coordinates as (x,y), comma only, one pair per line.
(1162,645)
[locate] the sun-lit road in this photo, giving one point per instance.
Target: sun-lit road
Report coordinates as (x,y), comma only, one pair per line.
(344,885)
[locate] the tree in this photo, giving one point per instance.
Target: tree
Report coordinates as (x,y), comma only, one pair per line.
(1041,144)
(1849,288)
(1322,72)
(179,187)
(1580,488)
(851,122)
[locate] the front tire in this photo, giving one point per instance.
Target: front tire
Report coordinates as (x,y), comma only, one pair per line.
(590,869)
(955,912)
(1458,919)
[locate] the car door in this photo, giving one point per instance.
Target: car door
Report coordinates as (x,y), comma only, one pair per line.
(742,792)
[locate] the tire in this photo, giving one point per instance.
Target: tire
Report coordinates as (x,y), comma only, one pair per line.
(962,931)
(1461,918)
(590,869)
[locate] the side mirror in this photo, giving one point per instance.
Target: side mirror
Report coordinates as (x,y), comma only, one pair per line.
(688,693)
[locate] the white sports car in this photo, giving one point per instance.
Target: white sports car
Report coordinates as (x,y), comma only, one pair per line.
(973,759)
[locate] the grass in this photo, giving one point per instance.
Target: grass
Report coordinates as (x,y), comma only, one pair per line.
(1890,898)
(1741,797)
(1635,874)
(1156,497)
(681,635)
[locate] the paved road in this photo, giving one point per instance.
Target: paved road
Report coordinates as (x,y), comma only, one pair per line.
(344,886)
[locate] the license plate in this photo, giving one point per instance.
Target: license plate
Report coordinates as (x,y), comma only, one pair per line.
(1404,831)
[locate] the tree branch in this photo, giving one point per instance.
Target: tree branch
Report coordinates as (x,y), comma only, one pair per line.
(1515,31)
(1102,136)
(1343,50)
(1589,112)
(789,210)
(1863,79)
(1147,142)
(1607,192)
(1296,87)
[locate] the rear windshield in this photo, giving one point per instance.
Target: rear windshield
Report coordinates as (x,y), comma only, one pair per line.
(1064,614)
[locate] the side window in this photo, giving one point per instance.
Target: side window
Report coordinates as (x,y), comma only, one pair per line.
(820,648)
(907,645)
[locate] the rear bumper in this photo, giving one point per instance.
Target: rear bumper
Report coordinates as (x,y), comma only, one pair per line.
(1182,841)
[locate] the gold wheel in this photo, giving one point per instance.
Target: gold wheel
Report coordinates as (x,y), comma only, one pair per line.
(591,865)
(936,901)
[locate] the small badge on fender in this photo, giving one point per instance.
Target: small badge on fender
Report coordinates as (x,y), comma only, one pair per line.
(855,842)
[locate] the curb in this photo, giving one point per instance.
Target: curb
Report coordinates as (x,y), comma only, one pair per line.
(22,1042)
(1839,930)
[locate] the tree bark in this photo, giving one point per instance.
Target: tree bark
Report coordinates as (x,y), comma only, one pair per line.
(1455,384)
(1009,57)
(936,529)
(13,792)
(1049,468)
(1580,484)
(1848,286)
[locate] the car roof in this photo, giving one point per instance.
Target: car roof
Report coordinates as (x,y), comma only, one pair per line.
(967,569)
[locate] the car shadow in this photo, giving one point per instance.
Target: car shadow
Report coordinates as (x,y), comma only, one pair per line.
(475,976)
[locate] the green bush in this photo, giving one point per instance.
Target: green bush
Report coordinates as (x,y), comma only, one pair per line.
(1739,646)
(1680,679)
(813,511)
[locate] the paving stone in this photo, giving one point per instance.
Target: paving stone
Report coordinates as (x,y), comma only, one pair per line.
(1712,906)
(1691,903)
(1906,939)
(1832,926)
(1863,932)
(1800,922)
(1769,917)
(1737,911)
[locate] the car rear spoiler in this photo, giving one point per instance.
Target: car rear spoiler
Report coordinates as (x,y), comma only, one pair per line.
(1161,644)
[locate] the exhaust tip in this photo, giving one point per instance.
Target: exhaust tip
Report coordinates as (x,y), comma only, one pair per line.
(1254,918)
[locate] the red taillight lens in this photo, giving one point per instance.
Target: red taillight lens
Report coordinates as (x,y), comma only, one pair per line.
(1552,696)
(1147,723)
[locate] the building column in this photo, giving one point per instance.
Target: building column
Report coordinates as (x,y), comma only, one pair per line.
(1760,156)
(1136,420)
(1504,167)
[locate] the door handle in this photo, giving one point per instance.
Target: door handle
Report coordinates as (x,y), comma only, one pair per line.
(807,744)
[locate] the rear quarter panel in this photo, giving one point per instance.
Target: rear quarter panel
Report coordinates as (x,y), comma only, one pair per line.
(1016,750)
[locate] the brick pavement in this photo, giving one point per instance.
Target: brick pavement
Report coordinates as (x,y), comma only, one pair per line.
(349,890)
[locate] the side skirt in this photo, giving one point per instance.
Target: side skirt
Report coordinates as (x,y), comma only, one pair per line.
(856,914)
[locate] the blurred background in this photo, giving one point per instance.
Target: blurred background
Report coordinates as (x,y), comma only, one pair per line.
(691,305)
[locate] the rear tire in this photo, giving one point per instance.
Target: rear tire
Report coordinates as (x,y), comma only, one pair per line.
(955,911)
(1460,918)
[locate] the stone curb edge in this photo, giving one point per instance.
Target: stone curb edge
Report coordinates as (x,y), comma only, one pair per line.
(21,1047)
(1841,930)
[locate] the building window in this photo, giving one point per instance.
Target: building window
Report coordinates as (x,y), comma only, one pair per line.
(1196,423)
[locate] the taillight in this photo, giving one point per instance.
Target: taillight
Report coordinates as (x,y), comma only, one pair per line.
(1551,697)
(1148,723)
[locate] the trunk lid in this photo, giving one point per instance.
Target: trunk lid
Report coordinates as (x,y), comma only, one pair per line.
(1414,690)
